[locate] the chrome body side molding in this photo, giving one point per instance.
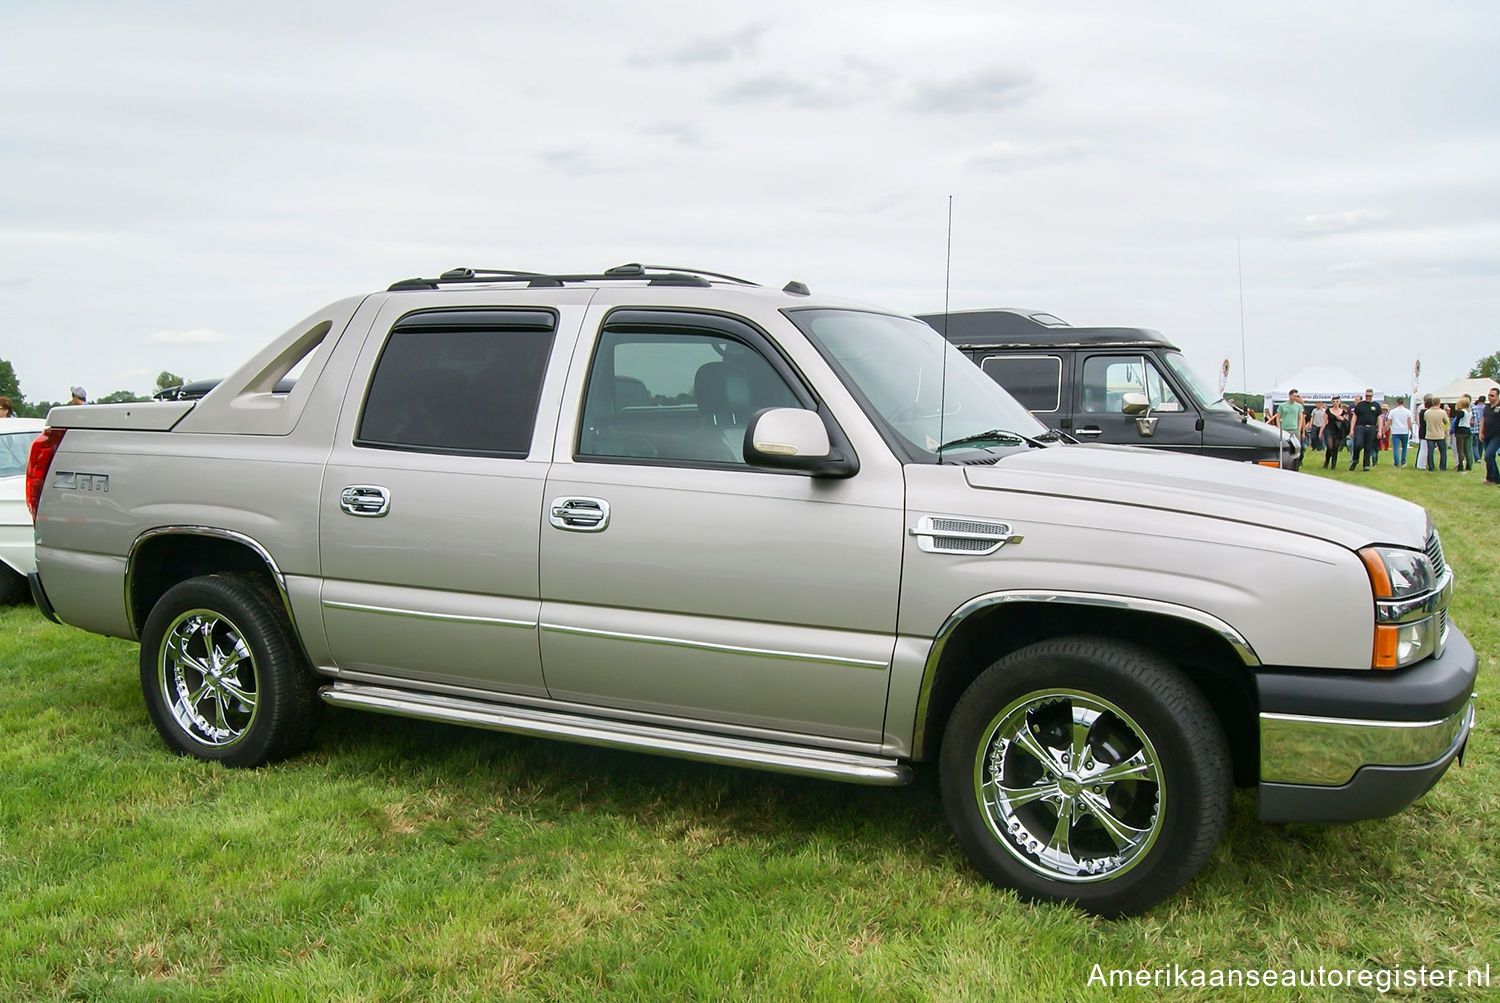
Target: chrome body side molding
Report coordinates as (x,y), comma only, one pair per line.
(795,656)
(425,615)
(729,750)
(1234,638)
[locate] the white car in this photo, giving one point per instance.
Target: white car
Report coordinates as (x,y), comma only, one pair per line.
(17,544)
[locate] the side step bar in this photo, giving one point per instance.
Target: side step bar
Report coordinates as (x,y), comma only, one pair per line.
(727,749)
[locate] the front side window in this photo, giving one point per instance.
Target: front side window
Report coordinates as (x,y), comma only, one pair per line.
(1034,380)
(459,382)
(1108,378)
(675,395)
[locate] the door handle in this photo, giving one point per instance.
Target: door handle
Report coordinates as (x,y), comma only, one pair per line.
(1090,432)
(581,515)
(370,500)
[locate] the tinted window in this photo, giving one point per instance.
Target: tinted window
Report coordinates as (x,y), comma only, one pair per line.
(1034,380)
(460,383)
(675,395)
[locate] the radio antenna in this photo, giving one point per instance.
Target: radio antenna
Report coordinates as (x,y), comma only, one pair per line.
(947,282)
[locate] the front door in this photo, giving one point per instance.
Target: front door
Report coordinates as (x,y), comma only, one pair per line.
(1173,422)
(679,581)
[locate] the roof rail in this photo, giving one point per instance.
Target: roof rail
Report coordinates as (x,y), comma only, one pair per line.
(656,275)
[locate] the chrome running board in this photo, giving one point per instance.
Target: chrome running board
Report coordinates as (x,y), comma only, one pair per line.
(781,757)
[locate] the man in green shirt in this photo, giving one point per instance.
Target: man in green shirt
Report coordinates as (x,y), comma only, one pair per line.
(1290,414)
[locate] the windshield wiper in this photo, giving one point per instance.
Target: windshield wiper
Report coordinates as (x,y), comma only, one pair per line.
(994,436)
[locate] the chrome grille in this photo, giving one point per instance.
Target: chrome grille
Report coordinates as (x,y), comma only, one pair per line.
(990,534)
(962,545)
(997,530)
(1435,554)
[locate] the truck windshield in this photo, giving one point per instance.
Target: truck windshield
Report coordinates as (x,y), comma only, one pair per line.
(1211,400)
(922,388)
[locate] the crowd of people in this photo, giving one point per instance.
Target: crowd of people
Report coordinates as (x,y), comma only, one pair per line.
(1467,429)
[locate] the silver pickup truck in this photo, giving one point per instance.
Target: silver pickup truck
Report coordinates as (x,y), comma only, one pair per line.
(672,511)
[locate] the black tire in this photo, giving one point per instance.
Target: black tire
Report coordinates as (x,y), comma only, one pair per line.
(222,674)
(1146,807)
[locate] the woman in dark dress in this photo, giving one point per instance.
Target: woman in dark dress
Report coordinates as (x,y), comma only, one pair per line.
(1335,430)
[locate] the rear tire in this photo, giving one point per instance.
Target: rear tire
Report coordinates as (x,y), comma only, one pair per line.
(222,673)
(1086,771)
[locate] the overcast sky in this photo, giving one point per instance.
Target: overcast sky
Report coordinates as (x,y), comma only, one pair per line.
(182,182)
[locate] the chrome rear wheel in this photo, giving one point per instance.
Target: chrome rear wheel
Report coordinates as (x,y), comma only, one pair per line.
(222,673)
(208,678)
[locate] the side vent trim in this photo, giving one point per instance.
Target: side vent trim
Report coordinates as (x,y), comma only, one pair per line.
(961,535)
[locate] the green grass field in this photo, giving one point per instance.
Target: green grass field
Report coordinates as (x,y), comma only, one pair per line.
(403,860)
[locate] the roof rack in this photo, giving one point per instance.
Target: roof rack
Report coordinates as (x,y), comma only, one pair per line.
(656,275)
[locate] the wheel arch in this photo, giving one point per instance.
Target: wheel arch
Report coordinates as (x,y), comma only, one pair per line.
(1213,655)
(161,557)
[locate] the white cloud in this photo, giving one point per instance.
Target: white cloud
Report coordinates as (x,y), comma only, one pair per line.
(1002,157)
(1324,224)
(197,336)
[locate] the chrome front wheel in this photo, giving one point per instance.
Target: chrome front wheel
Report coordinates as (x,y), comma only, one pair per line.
(1070,785)
(1086,770)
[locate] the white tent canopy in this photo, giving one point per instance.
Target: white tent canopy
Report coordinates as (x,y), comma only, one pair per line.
(1475,388)
(1320,383)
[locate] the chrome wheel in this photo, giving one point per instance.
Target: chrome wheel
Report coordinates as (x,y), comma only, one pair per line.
(1070,785)
(208,678)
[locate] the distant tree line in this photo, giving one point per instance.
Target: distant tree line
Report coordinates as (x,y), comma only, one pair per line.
(10,386)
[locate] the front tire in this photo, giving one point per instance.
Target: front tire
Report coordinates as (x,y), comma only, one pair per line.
(1086,771)
(222,674)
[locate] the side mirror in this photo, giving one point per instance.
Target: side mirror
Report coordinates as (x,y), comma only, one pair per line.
(1135,404)
(790,438)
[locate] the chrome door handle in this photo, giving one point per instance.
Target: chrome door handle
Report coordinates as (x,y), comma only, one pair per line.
(369,500)
(1090,432)
(581,515)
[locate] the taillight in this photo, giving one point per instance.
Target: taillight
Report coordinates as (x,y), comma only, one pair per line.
(42,450)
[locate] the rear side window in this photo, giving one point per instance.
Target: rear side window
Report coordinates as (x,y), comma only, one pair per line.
(459,382)
(1034,380)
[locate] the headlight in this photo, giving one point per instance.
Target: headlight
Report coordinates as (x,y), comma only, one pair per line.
(1397,573)
(1406,627)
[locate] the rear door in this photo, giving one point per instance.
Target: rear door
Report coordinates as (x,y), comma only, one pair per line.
(432,496)
(1105,379)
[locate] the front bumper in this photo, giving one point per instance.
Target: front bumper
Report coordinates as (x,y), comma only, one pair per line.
(1339,747)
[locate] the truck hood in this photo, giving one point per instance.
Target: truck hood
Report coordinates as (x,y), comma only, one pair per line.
(1218,489)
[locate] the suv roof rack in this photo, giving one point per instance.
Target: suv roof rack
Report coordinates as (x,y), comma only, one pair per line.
(656,275)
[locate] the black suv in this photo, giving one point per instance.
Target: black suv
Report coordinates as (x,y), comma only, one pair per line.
(1124,385)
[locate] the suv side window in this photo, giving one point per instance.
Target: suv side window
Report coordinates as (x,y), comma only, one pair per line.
(680,395)
(1108,378)
(464,382)
(1033,380)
